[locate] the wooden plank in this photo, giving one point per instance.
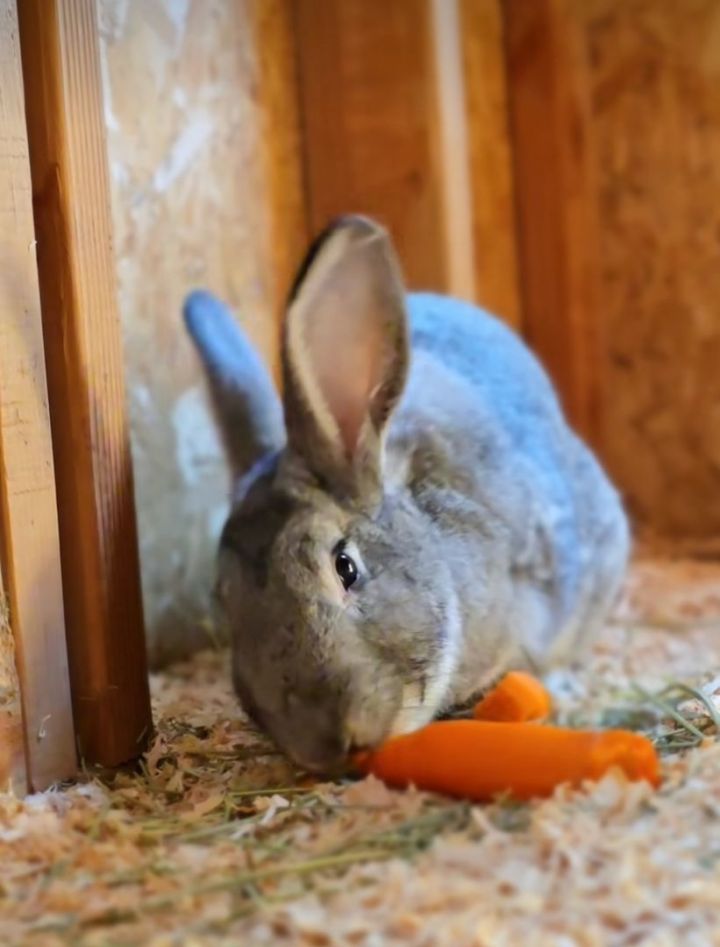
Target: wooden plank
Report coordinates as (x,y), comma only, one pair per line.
(450,143)
(29,544)
(557,230)
(654,74)
(490,150)
(287,228)
(85,378)
(383,111)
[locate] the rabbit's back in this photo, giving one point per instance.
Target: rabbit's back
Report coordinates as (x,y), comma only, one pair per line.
(506,376)
(496,413)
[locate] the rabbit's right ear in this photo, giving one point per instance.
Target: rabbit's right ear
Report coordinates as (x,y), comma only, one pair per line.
(246,404)
(345,356)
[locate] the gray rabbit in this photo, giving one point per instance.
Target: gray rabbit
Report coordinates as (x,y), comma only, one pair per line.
(413,520)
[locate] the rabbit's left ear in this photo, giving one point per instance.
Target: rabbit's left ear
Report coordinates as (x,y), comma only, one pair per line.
(345,354)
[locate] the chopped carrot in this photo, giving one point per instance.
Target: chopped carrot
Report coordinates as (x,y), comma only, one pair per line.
(479,760)
(517,698)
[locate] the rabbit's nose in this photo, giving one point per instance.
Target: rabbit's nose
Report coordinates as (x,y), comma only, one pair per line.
(327,755)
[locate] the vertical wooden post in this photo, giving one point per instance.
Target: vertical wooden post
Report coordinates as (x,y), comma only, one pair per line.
(85,377)
(29,545)
(549,98)
(287,233)
(382,99)
(490,149)
(450,142)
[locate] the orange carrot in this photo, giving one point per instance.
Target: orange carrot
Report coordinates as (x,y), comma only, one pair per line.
(517,698)
(478,760)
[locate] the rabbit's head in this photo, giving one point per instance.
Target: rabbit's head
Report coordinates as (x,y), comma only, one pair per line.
(343,620)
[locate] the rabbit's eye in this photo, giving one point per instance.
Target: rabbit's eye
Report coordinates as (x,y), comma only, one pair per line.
(346,569)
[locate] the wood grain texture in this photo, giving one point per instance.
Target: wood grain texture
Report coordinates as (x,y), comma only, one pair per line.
(379,94)
(555,193)
(29,544)
(287,231)
(85,378)
(655,87)
(491,161)
(449,144)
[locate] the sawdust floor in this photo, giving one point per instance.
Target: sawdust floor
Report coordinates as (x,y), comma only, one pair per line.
(217,841)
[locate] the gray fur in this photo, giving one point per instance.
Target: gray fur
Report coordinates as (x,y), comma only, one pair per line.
(244,398)
(486,533)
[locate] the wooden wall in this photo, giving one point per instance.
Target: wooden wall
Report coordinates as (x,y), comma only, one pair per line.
(205,167)
(211,109)
(490,155)
(404,117)
(616,144)
(208,126)
(654,68)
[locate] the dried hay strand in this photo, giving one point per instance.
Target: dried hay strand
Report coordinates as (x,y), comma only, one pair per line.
(217,839)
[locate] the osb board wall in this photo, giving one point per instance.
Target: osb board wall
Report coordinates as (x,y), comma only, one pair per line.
(202,138)
(655,84)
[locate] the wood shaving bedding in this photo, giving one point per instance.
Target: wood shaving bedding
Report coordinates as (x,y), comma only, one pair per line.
(216,839)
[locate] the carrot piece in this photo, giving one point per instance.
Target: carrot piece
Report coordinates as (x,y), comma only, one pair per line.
(518,697)
(478,760)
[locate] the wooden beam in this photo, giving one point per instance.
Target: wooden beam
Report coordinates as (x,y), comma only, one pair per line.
(450,143)
(287,232)
(549,97)
(491,161)
(382,100)
(85,378)
(29,544)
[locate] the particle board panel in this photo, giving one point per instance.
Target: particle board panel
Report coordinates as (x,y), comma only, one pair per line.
(655,94)
(206,182)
